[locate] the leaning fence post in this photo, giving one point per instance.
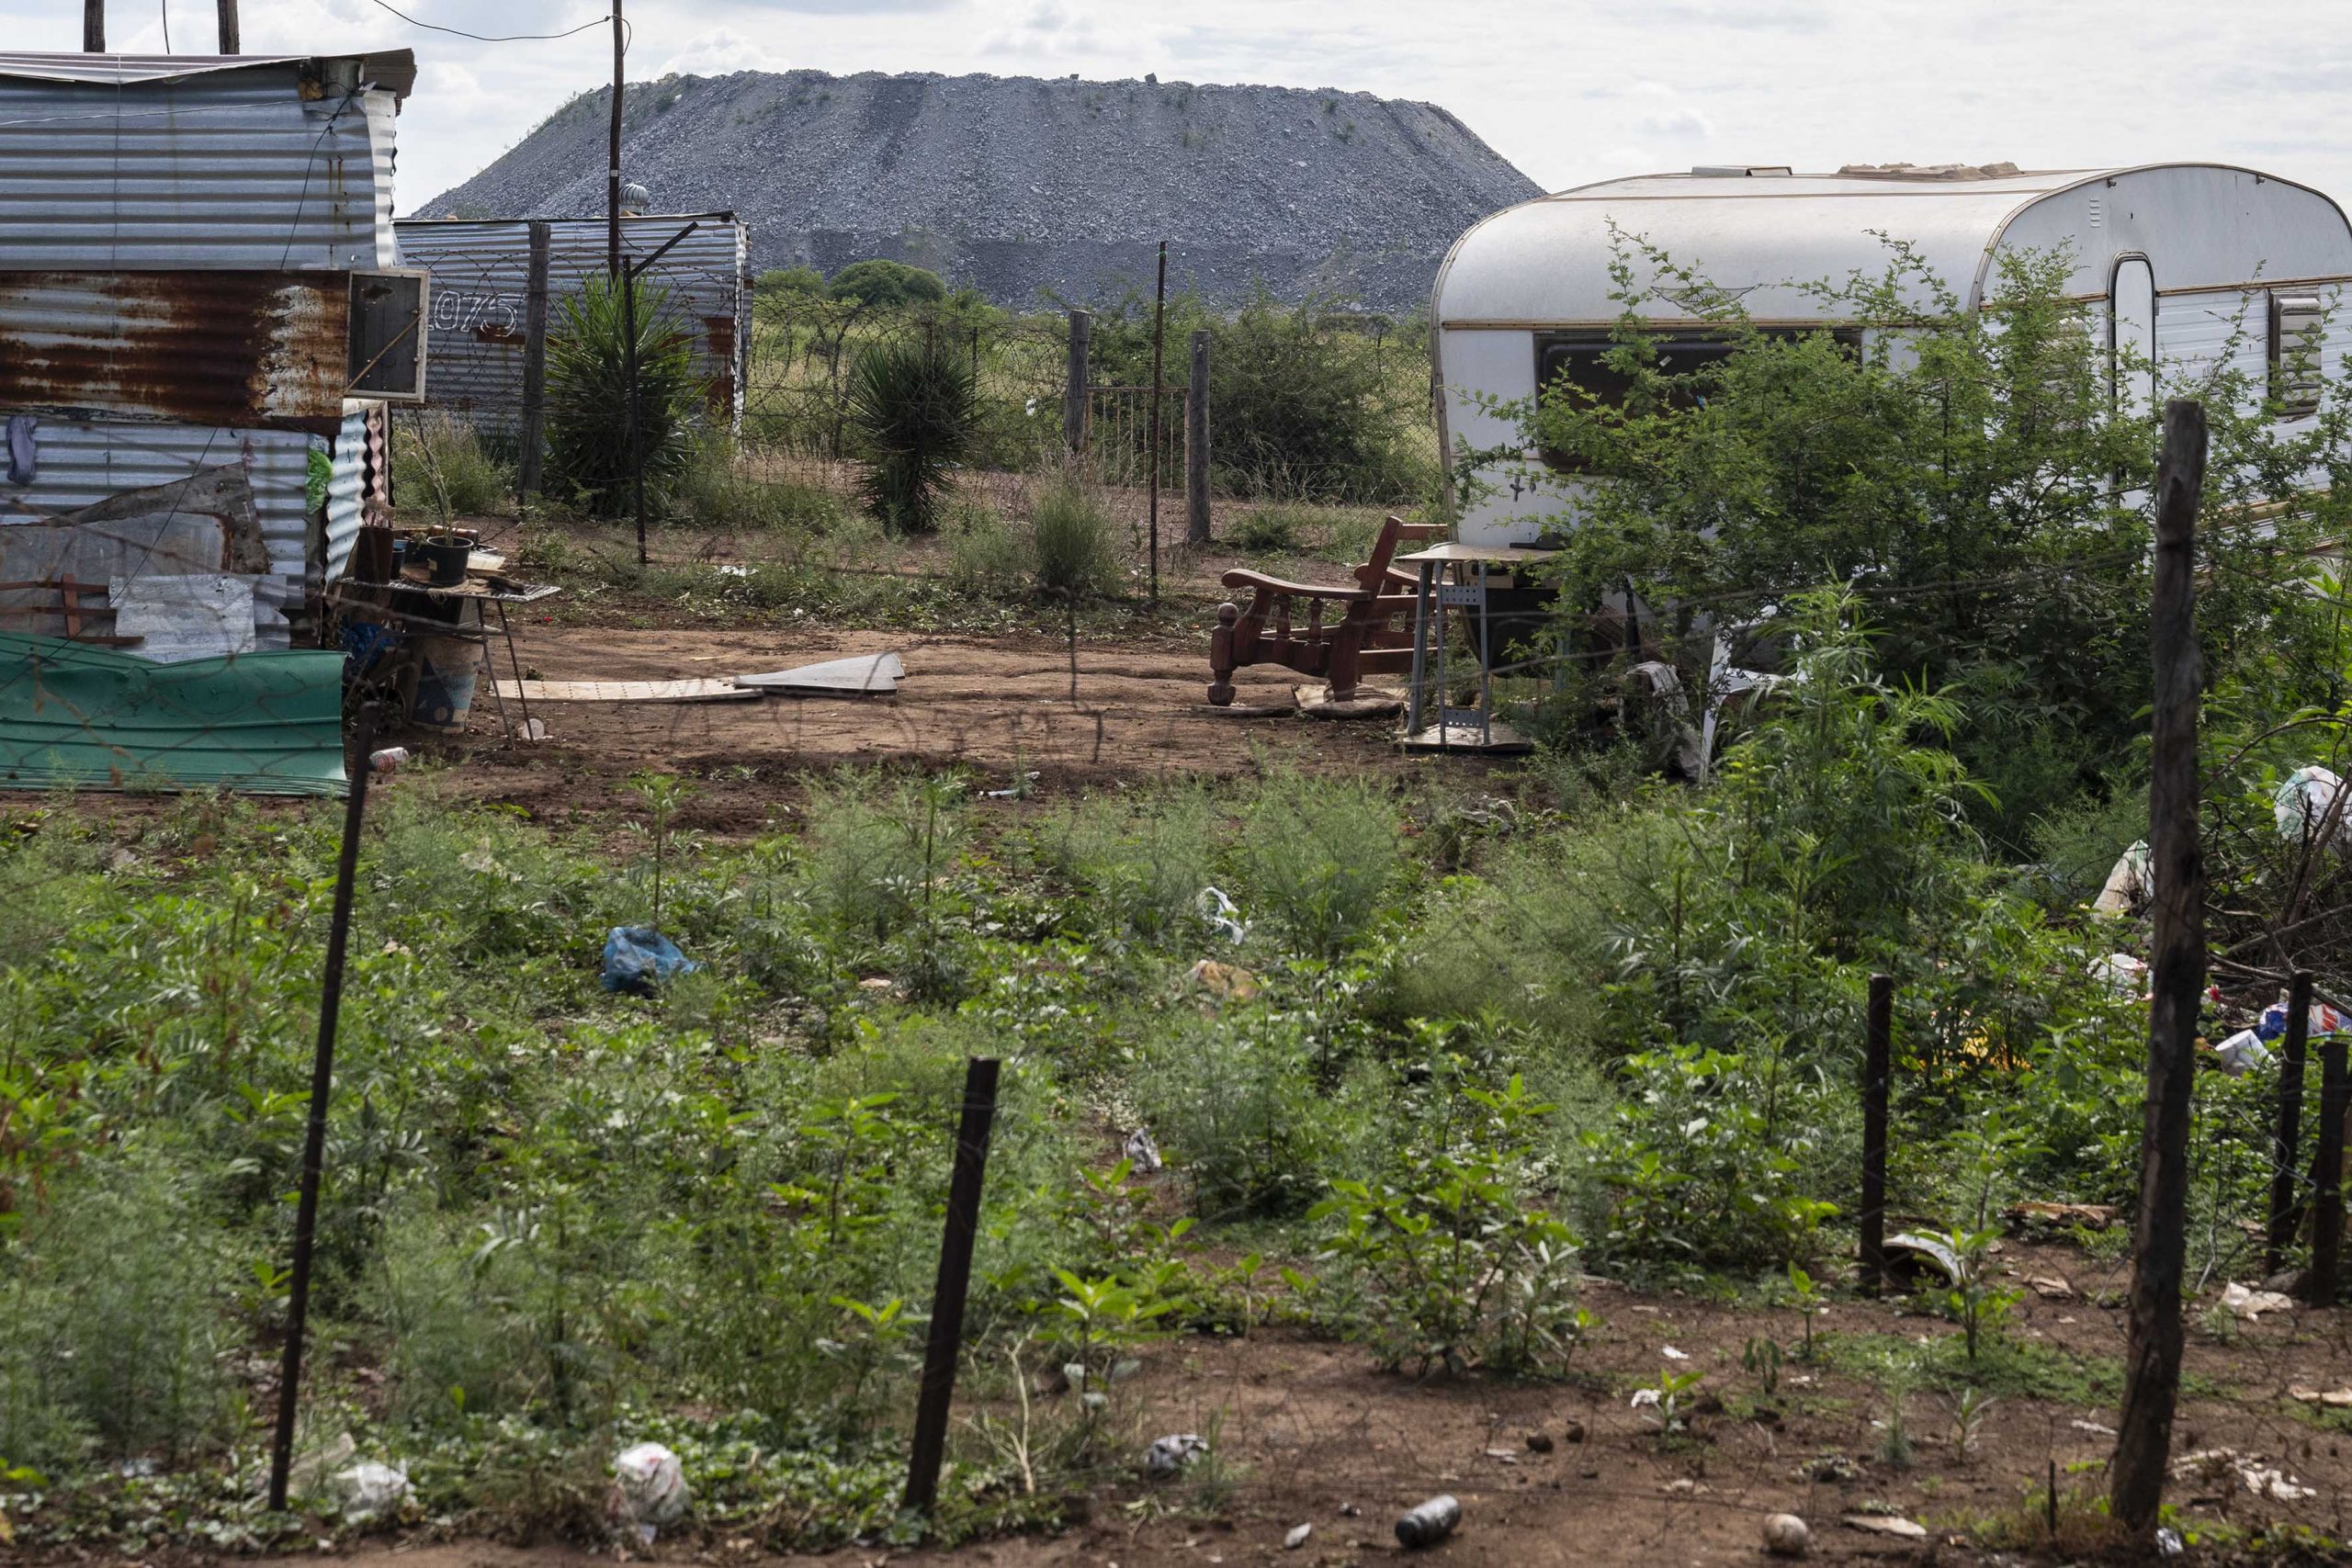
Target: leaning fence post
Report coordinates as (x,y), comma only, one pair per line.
(2176,977)
(1081,330)
(1196,444)
(1878,1052)
(535,366)
(314,1143)
(2285,1208)
(2327,1175)
(946,1341)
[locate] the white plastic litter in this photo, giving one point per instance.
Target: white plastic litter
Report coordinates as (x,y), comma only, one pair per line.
(1224,914)
(369,1487)
(1172,1453)
(649,1490)
(2262,1480)
(2169,1544)
(2241,1053)
(2127,883)
(2124,975)
(2302,807)
(2251,1304)
(1142,1152)
(1297,1537)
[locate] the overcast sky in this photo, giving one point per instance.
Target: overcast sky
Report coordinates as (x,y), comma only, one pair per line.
(1570,92)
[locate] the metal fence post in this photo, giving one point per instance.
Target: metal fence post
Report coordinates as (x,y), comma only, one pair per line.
(2327,1175)
(535,365)
(1196,444)
(1878,1052)
(2286,1141)
(1081,330)
(946,1341)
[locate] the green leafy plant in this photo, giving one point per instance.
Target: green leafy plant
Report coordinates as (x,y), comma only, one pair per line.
(912,403)
(1667,1407)
(588,425)
(1761,1357)
(1446,1261)
(1972,1300)
(661,795)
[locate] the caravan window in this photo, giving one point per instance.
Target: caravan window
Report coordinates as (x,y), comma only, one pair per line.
(1582,360)
(2298,324)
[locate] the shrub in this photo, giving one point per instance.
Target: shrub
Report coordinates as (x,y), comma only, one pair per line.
(875,848)
(1445,1258)
(783,280)
(711,491)
(111,1322)
(1322,855)
(987,558)
(914,404)
(887,284)
(1236,1100)
(438,463)
(1143,864)
(1072,535)
(588,403)
(1265,531)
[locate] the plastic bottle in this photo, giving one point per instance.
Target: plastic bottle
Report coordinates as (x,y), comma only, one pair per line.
(1429,1523)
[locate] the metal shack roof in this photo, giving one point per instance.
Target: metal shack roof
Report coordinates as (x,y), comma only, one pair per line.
(123,162)
(1763,235)
(481,270)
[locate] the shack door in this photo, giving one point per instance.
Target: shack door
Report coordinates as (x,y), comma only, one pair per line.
(2131,337)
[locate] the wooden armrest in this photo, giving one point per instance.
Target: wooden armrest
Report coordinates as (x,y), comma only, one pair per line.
(1242,577)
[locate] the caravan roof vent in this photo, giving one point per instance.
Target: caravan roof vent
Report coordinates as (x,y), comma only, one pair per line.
(1736,170)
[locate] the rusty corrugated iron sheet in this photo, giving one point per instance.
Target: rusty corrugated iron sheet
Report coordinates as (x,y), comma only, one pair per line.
(214,348)
(481,271)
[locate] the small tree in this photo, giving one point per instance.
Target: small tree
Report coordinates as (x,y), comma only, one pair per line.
(913,403)
(588,411)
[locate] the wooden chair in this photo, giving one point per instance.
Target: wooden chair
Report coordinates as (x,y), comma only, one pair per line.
(1350,632)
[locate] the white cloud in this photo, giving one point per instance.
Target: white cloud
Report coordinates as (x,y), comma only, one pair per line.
(718,51)
(1663,112)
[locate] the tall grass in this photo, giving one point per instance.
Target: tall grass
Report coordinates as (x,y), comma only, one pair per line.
(440,468)
(1073,536)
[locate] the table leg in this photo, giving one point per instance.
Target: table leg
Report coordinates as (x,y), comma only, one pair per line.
(1424,595)
(512,659)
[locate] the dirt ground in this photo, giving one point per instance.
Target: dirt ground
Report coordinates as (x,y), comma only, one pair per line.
(1001,707)
(1316,1436)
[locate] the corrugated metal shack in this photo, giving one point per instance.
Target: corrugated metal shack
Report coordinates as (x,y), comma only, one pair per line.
(481,270)
(197,269)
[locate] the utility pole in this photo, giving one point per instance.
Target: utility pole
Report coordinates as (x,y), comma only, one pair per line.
(94,27)
(229,27)
(613,153)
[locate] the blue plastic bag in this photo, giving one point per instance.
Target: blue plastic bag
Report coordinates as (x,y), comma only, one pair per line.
(638,958)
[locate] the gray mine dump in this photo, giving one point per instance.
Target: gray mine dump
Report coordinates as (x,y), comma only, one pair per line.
(1023,188)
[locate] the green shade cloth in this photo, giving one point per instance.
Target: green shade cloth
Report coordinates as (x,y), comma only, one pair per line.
(82,718)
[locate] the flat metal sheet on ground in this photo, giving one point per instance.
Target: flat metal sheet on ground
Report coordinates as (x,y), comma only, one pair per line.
(868,673)
(702,691)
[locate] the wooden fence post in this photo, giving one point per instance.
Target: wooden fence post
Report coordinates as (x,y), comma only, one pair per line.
(2286,1207)
(1074,411)
(1196,444)
(1878,1053)
(535,366)
(946,1341)
(2176,972)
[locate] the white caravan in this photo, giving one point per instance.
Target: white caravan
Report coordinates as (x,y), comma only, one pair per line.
(2182,262)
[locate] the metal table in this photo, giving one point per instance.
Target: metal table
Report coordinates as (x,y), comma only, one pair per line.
(383,602)
(1457,728)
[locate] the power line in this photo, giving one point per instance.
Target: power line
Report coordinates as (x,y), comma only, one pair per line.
(481,38)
